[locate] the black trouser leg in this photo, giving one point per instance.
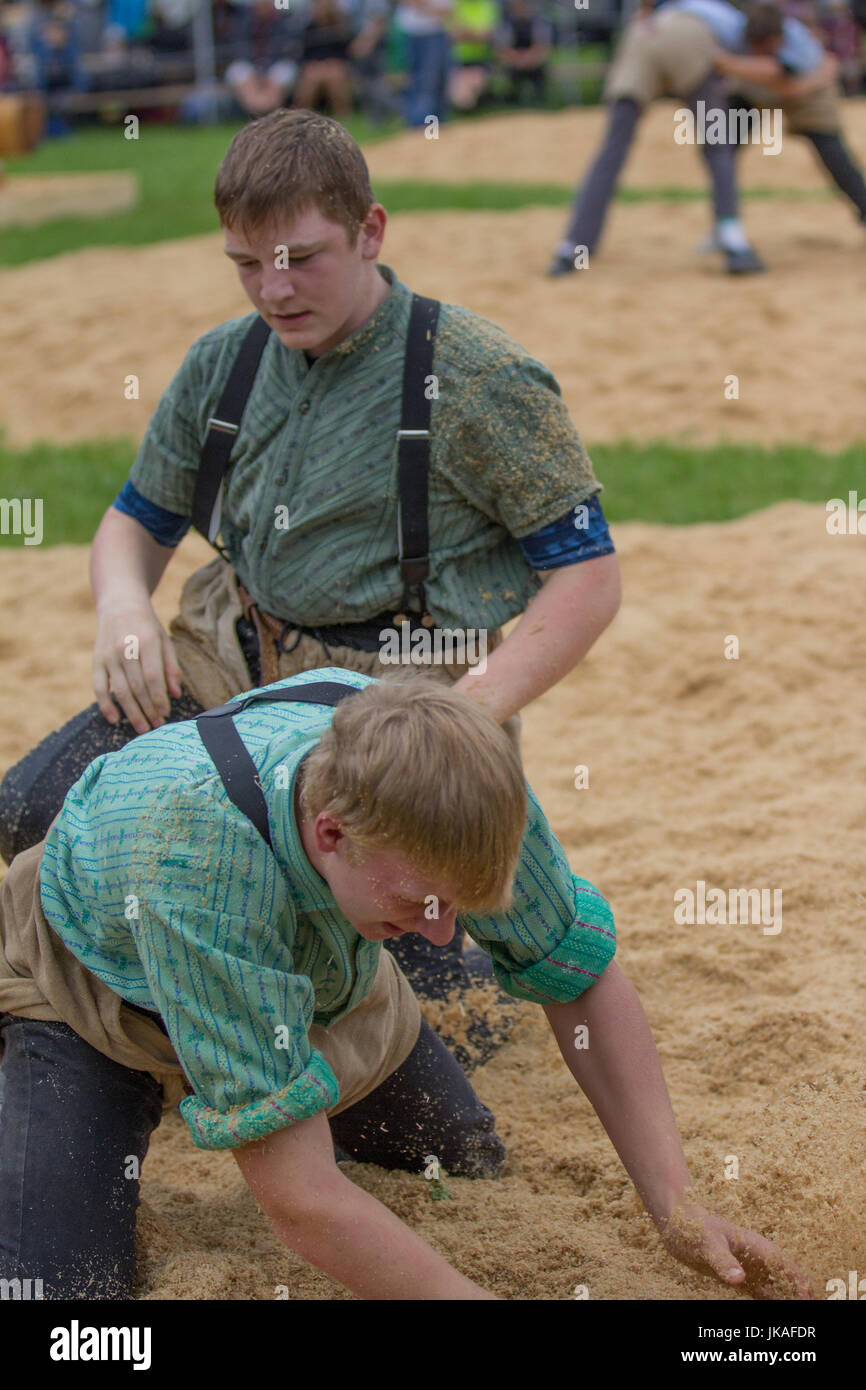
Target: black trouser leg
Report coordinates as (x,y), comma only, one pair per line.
(719,159)
(593,198)
(432,971)
(426,1107)
(447,973)
(32,792)
(74,1129)
(846,175)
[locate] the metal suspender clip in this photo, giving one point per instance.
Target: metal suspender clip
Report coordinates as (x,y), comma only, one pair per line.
(222,431)
(413,456)
(414,568)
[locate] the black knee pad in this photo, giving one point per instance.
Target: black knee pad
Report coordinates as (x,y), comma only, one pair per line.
(33,791)
(482,1154)
(425,1108)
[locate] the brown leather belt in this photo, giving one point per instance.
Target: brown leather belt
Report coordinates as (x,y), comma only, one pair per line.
(272,632)
(269,631)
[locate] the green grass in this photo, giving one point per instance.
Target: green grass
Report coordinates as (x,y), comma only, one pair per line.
(673,193)
(658,482)
(176,166)
(76,484)
(678,484)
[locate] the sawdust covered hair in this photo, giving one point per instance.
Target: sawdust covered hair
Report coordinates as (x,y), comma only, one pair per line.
(411,765)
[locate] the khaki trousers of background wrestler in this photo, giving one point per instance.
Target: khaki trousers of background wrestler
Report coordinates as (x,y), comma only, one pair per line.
(670,55)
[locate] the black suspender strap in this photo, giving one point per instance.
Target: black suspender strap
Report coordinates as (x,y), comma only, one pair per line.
(223,431)
(231,757)
(413,448)
(413,442)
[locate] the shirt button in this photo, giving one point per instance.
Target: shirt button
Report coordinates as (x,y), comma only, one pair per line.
(304,407)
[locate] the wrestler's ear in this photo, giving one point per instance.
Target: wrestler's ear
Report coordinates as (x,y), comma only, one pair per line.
(372,231)
(328,833)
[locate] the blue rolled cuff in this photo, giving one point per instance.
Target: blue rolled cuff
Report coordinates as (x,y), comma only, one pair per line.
(582,534)
(168,528)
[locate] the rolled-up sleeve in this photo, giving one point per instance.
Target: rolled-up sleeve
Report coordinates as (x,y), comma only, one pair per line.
(167,528)
(166,466)
(559,936)
(579,535)
(238,1019)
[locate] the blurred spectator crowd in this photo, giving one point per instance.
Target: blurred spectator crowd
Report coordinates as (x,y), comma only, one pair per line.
(415,58)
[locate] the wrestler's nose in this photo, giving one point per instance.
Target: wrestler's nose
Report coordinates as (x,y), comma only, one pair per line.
(439,930)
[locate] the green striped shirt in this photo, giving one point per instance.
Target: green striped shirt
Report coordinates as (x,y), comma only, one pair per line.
(310,512)
(163,889)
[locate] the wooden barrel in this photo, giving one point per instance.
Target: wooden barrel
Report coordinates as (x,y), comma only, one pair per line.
(22,121)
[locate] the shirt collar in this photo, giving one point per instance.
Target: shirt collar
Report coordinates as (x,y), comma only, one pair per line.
(382,323)
(309,891)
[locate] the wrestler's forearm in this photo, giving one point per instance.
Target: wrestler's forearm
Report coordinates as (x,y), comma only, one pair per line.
(126,563)
(795,88)
(339,1228)
(767,73)
(750,67)
(364,1246)
(559,626)
(618,1069)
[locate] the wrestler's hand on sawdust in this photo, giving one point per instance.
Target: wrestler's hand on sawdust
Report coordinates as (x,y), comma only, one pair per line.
(735,1255)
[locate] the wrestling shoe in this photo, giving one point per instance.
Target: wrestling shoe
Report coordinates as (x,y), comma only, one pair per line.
(561,265)
(709,245)
(743,262)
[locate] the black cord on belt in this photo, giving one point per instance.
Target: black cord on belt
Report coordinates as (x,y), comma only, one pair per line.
(281,644)
(317,633)
(313,631)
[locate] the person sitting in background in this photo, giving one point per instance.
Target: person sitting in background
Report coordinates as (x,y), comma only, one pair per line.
(126,20)
(522,45)
(472,27)
(325,72)
(263,77)
(171,25)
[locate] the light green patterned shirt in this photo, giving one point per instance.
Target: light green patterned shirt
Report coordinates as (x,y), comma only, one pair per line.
(163,889)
